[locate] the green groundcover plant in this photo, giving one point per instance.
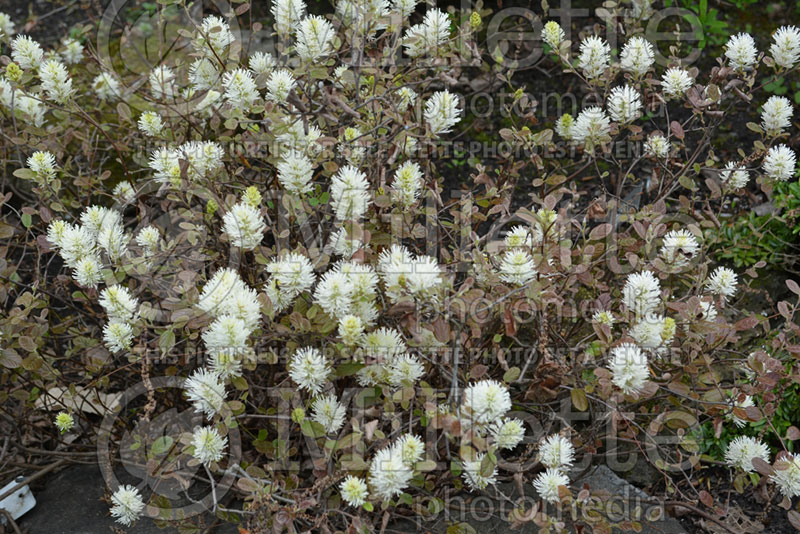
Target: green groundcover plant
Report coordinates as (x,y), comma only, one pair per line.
(265,240)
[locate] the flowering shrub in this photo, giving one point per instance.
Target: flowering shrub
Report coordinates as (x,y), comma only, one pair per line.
(272,229)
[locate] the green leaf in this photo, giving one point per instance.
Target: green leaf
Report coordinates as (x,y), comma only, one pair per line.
(312,429)
(579,400)
(161,445)
(511,375)
(166,341)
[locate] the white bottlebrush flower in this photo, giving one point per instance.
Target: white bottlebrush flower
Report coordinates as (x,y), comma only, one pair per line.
(55,81)
(150,123)
(676,82)
(240,89)
(72,52)
(472,473)
(106,87)
(776,115)
(637,56)
(162,82)
(214,33)
(352,145)
(441,112)
(383,344)
(592,127)
(604,317)
(404,7)
(741,51)
(351,328)
(334,293)
(354,491)
(207,105)
(743,449)
(329,412)
(408,145)
(407,275)
(225,364)
(507,433)
(785,48)
(118,303)
(407,184)
(76,243)
(708,312)
(43,165)
(522,236)
(112,239)
(564,126)
(148,238)
(363,17)
(205,391)
(405,371)
(487,401)
(226,334)
(624,104)
(780,162)
(653,331)
(314,38)
(88,271)
(204,157)
(406,97)
(94,218)
(291,275)
(547,483)
(64,422)
(722,282)
(33,108)
(594,56)
(427,37)
(56,231)
(244,225)
(628,368)
(343,245)
(295,172)
(279,84)
(516,267)
(261,63)
(203,74)
(557,452)
(678,248)
(6,27)
(124,192)
(411,449)
(656,146)
(287,14)
(219,292)
(642,293)
(745,402)
(297,138)
(26,52)
(389,475)
(553,34)
(734,176)
(309,369)
(349,194)
(786,475)
(208,444)
(127,505)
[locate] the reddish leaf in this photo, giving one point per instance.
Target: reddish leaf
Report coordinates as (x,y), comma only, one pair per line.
(793,287)
(762,467)
(677,129)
